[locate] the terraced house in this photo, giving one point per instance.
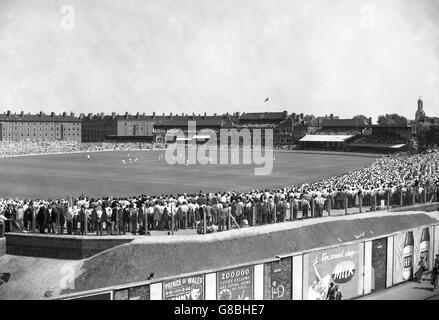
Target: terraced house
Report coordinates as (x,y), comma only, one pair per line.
(39,127)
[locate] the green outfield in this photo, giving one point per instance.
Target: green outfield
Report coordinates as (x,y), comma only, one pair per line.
(104,174)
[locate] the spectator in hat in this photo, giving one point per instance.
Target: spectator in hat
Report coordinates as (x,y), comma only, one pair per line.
(53,218)
(69,218)
(81,220)
(41,218)
(28,216)
(125,218)
(134,217)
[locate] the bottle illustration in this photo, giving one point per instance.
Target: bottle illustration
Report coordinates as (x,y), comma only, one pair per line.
(407,253)
(425,245)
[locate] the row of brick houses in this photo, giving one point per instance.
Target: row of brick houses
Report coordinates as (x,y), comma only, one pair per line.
(138,127)
(19,127)
(288,129)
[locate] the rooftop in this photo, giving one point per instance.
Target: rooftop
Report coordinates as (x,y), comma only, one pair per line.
(277,116)
(40,117)
(344,123)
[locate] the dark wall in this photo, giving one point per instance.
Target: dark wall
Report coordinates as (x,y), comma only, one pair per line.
(2,246)
(379,264)
(59,247)
(426,207)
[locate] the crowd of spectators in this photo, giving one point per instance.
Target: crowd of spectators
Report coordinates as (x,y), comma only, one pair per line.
(338,132)
(29,147)
(388,137)
(399,178)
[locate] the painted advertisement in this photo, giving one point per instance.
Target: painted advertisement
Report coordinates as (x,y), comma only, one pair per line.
(98,296)
(408,248)
(277,280)
(341,266)
(187,288)
(235,284)
(133,293)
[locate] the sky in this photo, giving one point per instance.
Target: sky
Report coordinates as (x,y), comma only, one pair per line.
(345,57)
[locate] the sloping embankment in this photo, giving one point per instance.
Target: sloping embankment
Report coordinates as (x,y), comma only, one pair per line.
(172,256)
(34,278)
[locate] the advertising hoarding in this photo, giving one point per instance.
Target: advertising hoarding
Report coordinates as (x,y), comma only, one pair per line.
(341,265)
(277,280)
(187,288)
(235,284)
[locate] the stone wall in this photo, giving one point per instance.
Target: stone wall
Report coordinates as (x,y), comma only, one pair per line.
(60,247)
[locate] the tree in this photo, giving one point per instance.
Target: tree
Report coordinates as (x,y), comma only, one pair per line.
(429,137)
(393,118)
(361,117)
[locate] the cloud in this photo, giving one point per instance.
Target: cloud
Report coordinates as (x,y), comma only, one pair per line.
(343,57)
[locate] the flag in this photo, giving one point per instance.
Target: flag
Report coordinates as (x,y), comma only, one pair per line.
(266,99)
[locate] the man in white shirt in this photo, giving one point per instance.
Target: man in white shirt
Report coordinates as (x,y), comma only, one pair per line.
(109,225)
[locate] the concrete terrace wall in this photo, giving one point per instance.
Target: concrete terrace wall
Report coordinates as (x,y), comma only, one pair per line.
(170,257)
(426,207)
(60,247)
(282,253)
(335,153)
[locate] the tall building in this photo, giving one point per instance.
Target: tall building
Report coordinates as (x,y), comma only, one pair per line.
(39,127)
(423,123)
(100,127)
(144,128)
(420,113)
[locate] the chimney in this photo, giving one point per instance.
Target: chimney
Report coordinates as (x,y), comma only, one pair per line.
(90,116)
(138,115)
(126,115)
(113,115)
(205,115)
(72,114)
(22,114)
(9,113)
(331,116)
(102,116)
(41,113)
(52,114)
(170,115)
(153,114)
(370,120)
(81,115)
(64,114)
